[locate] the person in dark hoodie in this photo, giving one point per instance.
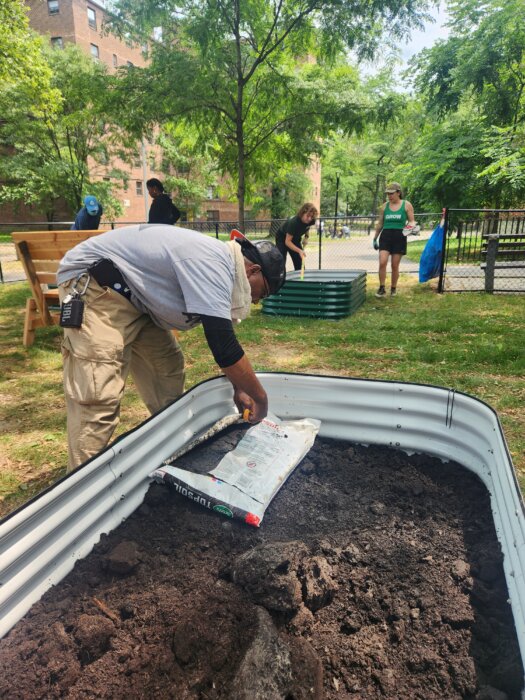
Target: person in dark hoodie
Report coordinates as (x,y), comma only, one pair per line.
(88,218)
(162,210)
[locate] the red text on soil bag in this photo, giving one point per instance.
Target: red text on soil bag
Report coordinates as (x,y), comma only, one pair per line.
(252,519)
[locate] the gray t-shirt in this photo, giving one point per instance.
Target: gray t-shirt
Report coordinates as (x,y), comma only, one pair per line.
(174,274)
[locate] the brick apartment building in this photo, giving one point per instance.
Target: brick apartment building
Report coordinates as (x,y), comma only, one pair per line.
(80,22)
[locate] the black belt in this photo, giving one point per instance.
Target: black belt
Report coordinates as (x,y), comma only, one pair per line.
(107,275)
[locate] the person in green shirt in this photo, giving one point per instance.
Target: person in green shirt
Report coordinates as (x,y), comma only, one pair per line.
(293,234)
(389,238)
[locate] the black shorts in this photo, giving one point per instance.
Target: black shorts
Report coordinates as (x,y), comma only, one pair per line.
(392,239)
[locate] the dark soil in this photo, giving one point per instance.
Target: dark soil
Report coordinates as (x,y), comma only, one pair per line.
(374,575)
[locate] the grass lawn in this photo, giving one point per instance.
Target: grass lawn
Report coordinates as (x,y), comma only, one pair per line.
(470,342)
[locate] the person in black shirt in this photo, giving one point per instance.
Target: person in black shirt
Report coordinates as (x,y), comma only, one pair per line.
(294,232)
(162,210)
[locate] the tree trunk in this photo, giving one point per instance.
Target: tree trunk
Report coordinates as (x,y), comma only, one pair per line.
(239,116)
(241,185)
(376,195)
(379,180)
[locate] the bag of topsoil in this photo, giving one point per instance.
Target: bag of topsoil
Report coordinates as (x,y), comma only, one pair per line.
(247,478)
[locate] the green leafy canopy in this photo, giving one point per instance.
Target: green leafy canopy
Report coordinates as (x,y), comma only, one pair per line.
(240,72)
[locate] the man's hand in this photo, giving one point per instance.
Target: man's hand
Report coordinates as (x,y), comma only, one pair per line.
(248,391)
(257,410)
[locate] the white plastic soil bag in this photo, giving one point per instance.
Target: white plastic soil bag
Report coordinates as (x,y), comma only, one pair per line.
(246,479)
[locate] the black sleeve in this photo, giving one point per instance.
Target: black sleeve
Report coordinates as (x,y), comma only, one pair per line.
(175,213)
(221,338)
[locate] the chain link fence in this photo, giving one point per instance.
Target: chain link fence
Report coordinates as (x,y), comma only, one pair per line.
(343,242)
(484,251)
(337,243)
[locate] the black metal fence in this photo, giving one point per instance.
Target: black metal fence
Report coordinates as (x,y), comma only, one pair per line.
(343,242)
(484,250)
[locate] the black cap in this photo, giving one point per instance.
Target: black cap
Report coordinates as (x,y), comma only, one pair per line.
(269,257)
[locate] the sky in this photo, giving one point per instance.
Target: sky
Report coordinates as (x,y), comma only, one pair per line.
(425,39)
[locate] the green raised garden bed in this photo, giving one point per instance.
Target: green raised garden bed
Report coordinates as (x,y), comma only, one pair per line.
(330,294)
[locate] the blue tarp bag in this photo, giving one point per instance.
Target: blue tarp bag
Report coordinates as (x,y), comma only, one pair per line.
(430,263)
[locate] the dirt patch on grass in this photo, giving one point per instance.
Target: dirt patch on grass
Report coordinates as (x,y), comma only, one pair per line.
(373,575)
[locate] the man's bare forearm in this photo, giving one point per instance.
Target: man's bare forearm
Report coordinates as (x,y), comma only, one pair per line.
(248,388)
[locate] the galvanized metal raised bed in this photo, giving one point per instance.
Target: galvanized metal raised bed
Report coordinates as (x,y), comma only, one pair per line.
(328,294)
(40,543)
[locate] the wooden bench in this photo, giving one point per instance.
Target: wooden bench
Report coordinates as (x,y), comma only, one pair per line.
(40,253)
(501,251)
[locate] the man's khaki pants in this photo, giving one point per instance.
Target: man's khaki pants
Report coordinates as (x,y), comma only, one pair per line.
(114,339)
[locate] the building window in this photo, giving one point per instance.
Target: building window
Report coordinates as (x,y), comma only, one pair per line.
(138,188)
(94,51)
(213,215)
(130,64)
(210,193)
(92,18)
(137,162)
(53,7)
(115,60)
(56,42)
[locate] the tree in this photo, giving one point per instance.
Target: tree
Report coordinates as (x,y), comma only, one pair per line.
(58,149)
(190,172)
(365,160)
(482,67)
(21,59)
(445,164)
(504,148)
(238,70)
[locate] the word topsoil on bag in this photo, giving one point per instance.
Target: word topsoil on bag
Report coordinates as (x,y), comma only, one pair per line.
(246,479)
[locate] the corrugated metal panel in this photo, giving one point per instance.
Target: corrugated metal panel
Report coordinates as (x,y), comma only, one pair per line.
(40,543)
(328,294)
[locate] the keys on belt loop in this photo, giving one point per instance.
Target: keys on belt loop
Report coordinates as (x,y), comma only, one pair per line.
(74,293)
